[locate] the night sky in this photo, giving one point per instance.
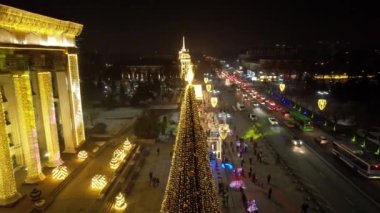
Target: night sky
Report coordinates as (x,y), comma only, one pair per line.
(215,27)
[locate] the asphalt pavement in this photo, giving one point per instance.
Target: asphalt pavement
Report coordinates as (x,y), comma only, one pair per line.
(323,183)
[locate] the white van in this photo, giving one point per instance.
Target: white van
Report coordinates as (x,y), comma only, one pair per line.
(240,106)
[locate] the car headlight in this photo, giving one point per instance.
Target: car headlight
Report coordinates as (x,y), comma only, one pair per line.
(301,142)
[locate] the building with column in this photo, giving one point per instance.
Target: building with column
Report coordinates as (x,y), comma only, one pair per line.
(40,99)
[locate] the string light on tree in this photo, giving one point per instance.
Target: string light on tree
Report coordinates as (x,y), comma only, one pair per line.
(189,75)
(120,203)
(190,186)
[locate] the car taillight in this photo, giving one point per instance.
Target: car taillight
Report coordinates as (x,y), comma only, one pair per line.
(375,167)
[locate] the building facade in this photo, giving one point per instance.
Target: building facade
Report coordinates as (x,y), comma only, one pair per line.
(40,104)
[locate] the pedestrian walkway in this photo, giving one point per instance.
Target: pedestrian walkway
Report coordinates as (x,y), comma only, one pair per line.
(284,196)
(144,197)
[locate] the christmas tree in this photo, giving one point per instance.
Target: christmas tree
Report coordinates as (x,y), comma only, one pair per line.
(190,188)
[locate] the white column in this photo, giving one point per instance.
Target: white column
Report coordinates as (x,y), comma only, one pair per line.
(47,110)
(8,188)
(28,130)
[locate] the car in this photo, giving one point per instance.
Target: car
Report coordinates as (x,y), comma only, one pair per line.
(253,117)
(322,139)
(273,121)
(297,141)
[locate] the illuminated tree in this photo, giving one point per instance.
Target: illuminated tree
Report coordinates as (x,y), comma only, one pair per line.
(190,188)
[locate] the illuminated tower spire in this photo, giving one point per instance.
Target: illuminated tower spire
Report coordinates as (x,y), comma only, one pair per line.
(183,43)
(190,187)
(184,58)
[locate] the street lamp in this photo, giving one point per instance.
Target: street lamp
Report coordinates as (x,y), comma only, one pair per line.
(214,101)
(208,87)
(282,87)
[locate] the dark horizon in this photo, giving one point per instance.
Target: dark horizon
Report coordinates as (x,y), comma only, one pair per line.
(149,26)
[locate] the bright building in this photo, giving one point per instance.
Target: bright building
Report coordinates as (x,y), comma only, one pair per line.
(40,99)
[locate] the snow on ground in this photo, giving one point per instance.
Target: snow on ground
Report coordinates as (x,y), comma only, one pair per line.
(115,119)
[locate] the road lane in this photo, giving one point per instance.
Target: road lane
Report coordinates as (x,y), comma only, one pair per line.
(332,190)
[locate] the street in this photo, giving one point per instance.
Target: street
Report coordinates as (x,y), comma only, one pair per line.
(332,191)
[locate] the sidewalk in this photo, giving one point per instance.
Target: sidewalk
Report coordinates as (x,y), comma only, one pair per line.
(285,196)
(144,197)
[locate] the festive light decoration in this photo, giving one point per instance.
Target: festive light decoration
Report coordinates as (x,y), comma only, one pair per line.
(114,163)
(98,182)
(190,186)
(252,206)
(208,87)
(205,79)
(119,154)
(189,75)
(223,131)
(282,87)
(25,108)
(127,145)
(377,151)
(8,188)
(48,116)
(120,203)
(76,100)
(82,155)
(59,172)
(353,140)
(322,103)
(237,184)
(214,101)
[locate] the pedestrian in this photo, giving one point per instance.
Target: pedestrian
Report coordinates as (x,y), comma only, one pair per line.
(250,169)
(157,181)
(250,160)
(249,174)
(154,182)
(258,156)
(171,153)
(254,177)
(231,144)
(158,151)
(150,177)
(268,179)
(270,193)
(242,162)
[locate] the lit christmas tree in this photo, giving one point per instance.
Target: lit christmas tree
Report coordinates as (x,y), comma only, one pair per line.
(190,188)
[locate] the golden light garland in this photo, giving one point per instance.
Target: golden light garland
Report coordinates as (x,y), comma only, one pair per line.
(223,131)
(59,173)
(114,163)
(208,87)
(322,103)
(120,203)
(127,145)
(282,87)
(214,101)
(98,182)
(82,155)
